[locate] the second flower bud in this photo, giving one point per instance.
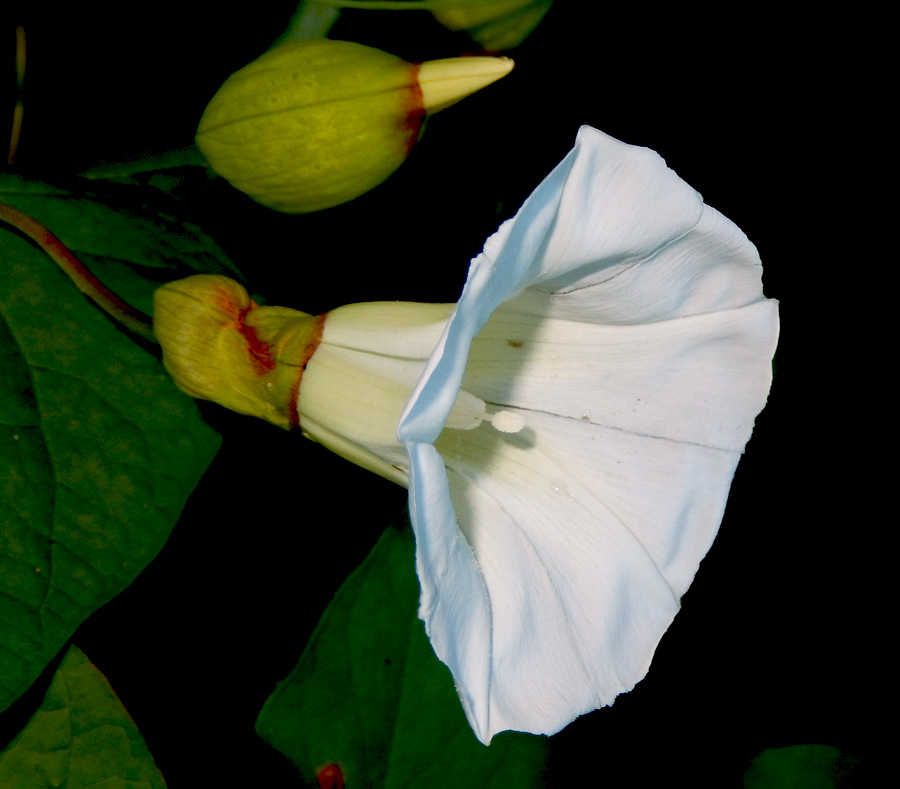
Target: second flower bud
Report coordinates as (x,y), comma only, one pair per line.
(315,123)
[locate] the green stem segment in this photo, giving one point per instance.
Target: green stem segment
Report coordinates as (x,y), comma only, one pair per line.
(87,283)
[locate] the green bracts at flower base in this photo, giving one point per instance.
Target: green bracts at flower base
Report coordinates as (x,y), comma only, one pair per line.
(221,345)
(315,123)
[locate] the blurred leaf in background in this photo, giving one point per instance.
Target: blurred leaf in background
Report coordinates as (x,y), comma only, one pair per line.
(803,767)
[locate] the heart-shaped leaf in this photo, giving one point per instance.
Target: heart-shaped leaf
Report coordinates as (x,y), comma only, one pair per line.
(80,737)
(369,696)
(98,449)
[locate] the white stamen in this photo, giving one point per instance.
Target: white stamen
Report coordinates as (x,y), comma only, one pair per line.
(506,421)
(467,413)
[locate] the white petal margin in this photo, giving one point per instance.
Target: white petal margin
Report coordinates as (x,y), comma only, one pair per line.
(624,320)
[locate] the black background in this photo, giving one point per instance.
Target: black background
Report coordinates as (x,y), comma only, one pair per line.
(774,644)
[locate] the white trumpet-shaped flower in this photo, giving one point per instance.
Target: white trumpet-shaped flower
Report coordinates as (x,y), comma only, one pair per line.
(624,322)
(568,430)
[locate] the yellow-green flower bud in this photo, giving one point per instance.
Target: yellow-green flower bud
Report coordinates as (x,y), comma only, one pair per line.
(498,25)
(219,345)
(314,123)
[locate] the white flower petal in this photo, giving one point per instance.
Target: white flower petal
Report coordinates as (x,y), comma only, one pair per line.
(358,394)
(604,209)
(408,330)
(461,614)
(710,267)
(619,203)
(589,524)
(355,453)
(578,557)
(576,603)
(624,321)
(699,379)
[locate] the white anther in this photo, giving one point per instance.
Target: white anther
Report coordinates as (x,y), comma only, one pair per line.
(506,421)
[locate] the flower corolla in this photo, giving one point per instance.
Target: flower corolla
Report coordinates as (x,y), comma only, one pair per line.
(624,321)
(568,430)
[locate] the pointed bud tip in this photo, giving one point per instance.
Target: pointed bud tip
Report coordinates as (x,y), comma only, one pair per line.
(445,82)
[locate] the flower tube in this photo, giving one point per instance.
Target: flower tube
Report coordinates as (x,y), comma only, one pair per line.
(568,430)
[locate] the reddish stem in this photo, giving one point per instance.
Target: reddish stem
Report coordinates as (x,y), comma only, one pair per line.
(86,282)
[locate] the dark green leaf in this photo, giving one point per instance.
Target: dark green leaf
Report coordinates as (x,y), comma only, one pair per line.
(98,449)
(80,737)
(370,696)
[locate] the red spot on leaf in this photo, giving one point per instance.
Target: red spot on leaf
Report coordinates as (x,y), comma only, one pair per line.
(331,777)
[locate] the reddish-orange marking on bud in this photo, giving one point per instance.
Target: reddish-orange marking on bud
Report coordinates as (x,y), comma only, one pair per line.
(415,112)
(224,301)
(260,352)
(331,777)
(314,340)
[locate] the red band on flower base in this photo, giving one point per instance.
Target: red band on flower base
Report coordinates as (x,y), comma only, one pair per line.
(415,113)
(314,340)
